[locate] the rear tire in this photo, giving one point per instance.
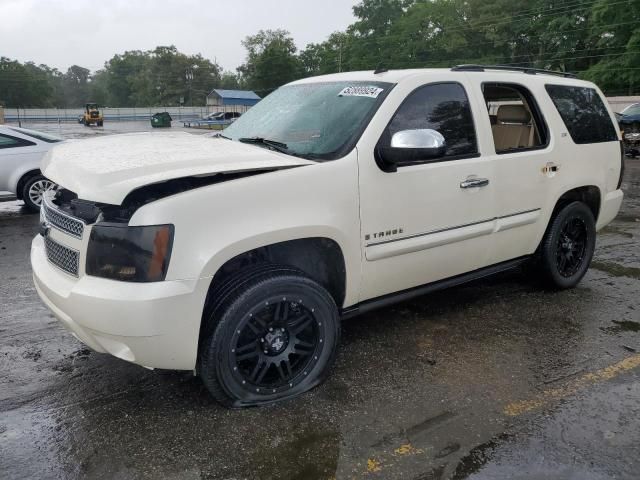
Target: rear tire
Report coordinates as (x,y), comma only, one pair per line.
(269,336)
(567,247)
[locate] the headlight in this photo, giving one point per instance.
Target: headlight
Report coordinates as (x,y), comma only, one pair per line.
(131,254)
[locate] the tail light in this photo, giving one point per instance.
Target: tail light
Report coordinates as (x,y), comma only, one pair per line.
(622,156)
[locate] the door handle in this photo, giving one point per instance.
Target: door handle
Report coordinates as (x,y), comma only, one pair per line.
(474,182)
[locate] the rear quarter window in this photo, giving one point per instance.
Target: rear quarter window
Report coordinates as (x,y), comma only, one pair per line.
(7,141)
(584,114)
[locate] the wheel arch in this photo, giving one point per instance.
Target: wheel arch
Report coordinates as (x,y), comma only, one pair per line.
(320,258)
(590,195)
(23,178)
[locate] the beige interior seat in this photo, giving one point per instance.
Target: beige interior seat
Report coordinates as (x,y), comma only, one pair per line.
(513,128)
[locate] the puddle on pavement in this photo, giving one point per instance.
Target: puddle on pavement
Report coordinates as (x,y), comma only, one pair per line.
(616,270)
(623,326)
(627,218)
(310,456)
(610,229)
(477,458)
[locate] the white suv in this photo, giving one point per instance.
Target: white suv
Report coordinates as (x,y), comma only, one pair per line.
(237,256)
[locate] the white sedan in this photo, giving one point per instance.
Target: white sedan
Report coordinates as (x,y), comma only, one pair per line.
(20,153)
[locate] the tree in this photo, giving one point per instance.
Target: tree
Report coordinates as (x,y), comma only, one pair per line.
(373,33)
(617,36)
(25,85)
(122,77)
(271,60)
(229,81)
(162,76)
(75,86)
(98,91)
(329,56)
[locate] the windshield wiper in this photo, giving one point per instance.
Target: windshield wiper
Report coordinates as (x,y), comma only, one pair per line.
(219,135)
(278,146)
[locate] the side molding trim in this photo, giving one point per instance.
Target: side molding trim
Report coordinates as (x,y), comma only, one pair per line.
(385,300)
(435,238)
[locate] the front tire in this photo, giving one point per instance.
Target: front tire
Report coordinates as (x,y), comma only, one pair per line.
(567,247)
(273,337)
(33,190)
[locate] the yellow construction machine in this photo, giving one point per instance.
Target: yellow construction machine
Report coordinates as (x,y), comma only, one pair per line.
(92,115)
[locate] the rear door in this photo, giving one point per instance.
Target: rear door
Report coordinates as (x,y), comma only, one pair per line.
(520,149)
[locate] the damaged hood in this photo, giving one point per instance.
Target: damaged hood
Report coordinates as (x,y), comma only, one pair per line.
(106,169)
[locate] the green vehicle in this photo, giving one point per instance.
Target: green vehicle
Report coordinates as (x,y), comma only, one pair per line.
(161,119)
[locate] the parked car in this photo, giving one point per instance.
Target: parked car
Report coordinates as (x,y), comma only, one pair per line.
(214,116)
(20,153)
(237,256)
(629,121)
(223,116)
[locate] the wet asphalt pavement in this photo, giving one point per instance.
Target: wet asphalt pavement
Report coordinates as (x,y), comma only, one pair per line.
(493,380)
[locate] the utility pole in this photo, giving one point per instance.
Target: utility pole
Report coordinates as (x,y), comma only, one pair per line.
(188,75)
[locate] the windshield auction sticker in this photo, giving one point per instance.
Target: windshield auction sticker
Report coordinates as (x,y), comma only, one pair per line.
(367,91)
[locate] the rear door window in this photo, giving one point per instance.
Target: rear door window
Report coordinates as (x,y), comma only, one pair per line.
(584,114)
(516,121)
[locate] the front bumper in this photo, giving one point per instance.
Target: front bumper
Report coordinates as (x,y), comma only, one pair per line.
(152,324)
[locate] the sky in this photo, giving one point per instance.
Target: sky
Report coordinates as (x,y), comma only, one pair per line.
(60,33)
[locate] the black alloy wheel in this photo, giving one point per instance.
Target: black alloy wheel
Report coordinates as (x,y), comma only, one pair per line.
(572,245)
(276,345)
(272,334)
(567,248)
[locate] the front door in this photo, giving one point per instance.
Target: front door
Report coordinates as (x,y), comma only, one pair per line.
(432,218)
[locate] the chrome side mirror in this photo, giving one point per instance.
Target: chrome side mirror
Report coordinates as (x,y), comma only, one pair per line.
(424,139)
(411,146)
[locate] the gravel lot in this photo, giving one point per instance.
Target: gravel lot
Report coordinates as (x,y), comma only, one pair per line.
(493,380)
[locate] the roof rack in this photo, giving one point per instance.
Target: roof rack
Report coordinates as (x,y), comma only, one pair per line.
(532,71)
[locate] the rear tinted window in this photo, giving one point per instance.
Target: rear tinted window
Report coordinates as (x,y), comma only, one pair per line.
(584,114)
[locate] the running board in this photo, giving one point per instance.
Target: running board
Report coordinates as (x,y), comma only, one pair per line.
(410,293)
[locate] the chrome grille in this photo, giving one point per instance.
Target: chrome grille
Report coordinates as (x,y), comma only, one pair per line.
(62,221)
(65,258)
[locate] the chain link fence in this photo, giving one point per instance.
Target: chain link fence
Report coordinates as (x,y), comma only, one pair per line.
(68,115)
